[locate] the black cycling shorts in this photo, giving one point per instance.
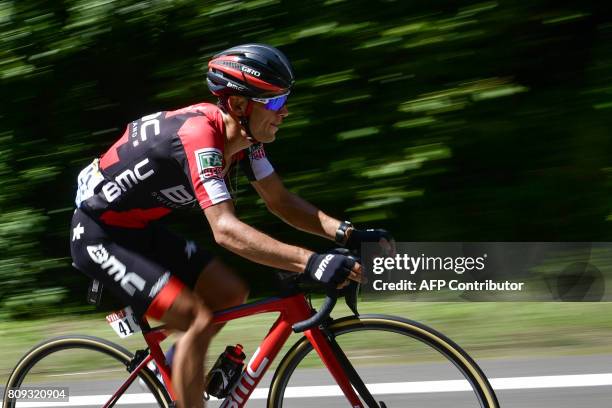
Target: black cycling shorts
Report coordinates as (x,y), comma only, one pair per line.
(145,268)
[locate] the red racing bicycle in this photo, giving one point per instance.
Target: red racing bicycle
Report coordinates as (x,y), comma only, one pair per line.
(367,361)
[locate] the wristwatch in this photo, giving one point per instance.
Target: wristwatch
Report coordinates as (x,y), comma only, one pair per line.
(343,232)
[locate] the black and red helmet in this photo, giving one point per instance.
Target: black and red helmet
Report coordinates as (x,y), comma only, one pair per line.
(251,70)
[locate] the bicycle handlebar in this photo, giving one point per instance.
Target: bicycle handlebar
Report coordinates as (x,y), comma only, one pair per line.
(350,295)
(316,319)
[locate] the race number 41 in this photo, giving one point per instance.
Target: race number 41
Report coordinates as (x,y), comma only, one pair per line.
(124,322)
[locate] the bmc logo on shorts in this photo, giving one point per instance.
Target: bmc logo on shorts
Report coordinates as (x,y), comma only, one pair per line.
(129,281)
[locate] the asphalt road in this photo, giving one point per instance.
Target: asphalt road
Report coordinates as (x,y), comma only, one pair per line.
(561,382)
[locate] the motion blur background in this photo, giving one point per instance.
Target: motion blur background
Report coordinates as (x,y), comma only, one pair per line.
(440,121)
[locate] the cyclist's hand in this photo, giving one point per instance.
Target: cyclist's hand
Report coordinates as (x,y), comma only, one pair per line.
(356,275)
(333,270)
(381,236)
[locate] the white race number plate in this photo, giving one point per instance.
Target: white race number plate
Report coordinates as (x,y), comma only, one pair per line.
(124,322)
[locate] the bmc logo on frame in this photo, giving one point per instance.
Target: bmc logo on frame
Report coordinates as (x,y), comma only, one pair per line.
(247,382)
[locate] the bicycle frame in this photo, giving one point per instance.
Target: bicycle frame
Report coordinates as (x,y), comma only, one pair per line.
(292,309)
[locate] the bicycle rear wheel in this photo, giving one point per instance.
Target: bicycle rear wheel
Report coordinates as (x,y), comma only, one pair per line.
(430,372)
(92,369)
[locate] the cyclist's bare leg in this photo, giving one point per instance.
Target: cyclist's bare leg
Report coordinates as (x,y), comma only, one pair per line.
(190,315)
(220,287)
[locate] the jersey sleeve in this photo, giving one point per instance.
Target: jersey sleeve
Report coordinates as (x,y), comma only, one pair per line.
(201,155)
(254,163)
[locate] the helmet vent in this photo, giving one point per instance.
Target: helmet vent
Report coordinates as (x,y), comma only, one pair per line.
(231,64)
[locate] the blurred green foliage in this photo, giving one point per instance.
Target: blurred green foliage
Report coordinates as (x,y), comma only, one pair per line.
(455,120)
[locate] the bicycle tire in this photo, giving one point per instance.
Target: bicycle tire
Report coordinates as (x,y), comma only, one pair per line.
(48,347)
(430,337)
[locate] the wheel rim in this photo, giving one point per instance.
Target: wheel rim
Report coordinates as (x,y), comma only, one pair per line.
(90,368)
(464,370)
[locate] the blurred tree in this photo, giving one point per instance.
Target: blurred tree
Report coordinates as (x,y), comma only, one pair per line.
(466,120)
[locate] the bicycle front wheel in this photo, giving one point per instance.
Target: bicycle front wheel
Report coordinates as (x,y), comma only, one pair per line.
(398,371)
(89,370)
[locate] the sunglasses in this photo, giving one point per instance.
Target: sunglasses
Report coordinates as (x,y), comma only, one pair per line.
(274,104)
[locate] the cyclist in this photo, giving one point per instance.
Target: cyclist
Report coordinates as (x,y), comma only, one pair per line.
(177,159)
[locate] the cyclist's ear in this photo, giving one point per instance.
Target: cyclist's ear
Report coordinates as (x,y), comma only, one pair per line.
(237,105)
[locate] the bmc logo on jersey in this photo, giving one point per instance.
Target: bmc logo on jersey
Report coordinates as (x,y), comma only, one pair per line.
(210,163)
(126,180)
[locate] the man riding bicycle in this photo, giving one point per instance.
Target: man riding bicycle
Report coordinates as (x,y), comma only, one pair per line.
(177,159)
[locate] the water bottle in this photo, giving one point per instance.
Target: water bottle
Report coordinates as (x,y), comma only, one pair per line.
(225,372)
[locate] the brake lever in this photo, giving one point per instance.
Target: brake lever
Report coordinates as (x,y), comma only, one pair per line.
(350,297)
(352,290)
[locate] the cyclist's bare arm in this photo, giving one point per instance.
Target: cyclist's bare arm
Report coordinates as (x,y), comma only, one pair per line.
(246,241)
(293,209)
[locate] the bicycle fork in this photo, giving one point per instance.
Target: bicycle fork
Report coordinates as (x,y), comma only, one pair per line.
(341,369)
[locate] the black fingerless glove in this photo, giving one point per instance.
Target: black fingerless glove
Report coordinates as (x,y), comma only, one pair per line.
(329,269)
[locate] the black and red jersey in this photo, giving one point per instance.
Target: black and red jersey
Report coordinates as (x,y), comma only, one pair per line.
(164,161)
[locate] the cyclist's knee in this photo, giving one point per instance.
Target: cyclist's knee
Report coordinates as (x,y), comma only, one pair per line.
(186,312)
(239,292)
(220,287)
(201,323)
(234,293)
